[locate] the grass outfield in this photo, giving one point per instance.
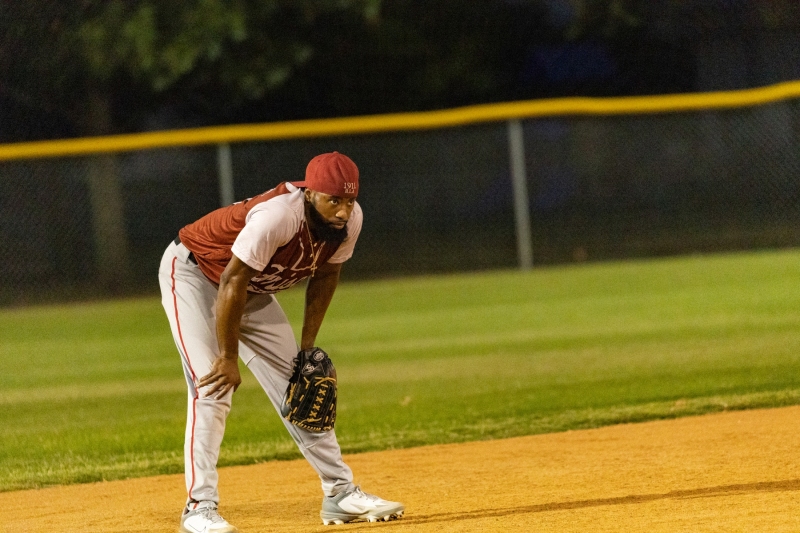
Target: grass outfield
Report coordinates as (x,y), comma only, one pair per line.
(95,391)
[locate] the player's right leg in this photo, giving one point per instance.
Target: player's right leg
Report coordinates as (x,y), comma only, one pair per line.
(188,299)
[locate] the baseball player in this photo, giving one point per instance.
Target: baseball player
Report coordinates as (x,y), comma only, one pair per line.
(217,283)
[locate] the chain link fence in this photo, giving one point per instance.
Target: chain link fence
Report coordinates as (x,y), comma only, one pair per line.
(441,200)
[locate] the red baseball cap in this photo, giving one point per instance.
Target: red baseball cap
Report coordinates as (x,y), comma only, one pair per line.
(332,173)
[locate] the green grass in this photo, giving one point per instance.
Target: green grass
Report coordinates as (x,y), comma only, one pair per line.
(95,391)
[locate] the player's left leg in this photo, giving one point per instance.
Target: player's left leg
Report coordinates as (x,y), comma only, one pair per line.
(268,347)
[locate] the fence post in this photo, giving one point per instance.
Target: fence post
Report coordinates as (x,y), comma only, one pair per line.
(110,237)
(519,181)
(225,168)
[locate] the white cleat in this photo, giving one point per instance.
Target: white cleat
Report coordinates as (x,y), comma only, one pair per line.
(205,520)
(358,505)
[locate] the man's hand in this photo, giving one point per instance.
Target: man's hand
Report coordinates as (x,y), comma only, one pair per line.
(224,377)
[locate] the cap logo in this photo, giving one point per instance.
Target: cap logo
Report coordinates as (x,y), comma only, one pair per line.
(350,187)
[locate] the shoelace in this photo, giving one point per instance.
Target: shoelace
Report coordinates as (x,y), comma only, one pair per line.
(361,494)
(211,514)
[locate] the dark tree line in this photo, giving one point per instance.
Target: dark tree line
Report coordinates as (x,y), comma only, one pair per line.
(88,67)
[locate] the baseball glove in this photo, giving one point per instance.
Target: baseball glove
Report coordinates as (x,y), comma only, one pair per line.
(310,399)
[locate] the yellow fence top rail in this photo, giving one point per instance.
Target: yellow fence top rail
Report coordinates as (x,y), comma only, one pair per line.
(674,103)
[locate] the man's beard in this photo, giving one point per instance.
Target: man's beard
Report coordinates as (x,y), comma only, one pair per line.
(320,228)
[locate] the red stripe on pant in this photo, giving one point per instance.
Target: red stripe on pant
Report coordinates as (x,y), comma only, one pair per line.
(194,377)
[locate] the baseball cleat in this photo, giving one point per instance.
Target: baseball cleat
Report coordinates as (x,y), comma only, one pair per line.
(205,520)
(358,505)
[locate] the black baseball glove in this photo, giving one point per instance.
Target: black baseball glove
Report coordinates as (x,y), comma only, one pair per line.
(310,399)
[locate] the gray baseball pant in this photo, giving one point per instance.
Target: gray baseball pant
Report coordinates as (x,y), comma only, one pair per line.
(266,345)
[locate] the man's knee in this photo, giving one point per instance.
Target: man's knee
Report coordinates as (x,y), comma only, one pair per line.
(310,439)
(213,407)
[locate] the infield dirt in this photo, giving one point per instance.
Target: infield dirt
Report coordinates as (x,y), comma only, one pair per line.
(726,472)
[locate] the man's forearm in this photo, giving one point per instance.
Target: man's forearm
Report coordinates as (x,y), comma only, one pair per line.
(231,299)
(319,294)
(224,376)
(230,307)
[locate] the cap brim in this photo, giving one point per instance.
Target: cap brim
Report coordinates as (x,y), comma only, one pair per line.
(299,183)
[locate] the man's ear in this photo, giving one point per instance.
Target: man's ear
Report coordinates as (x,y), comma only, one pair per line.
(307,194)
